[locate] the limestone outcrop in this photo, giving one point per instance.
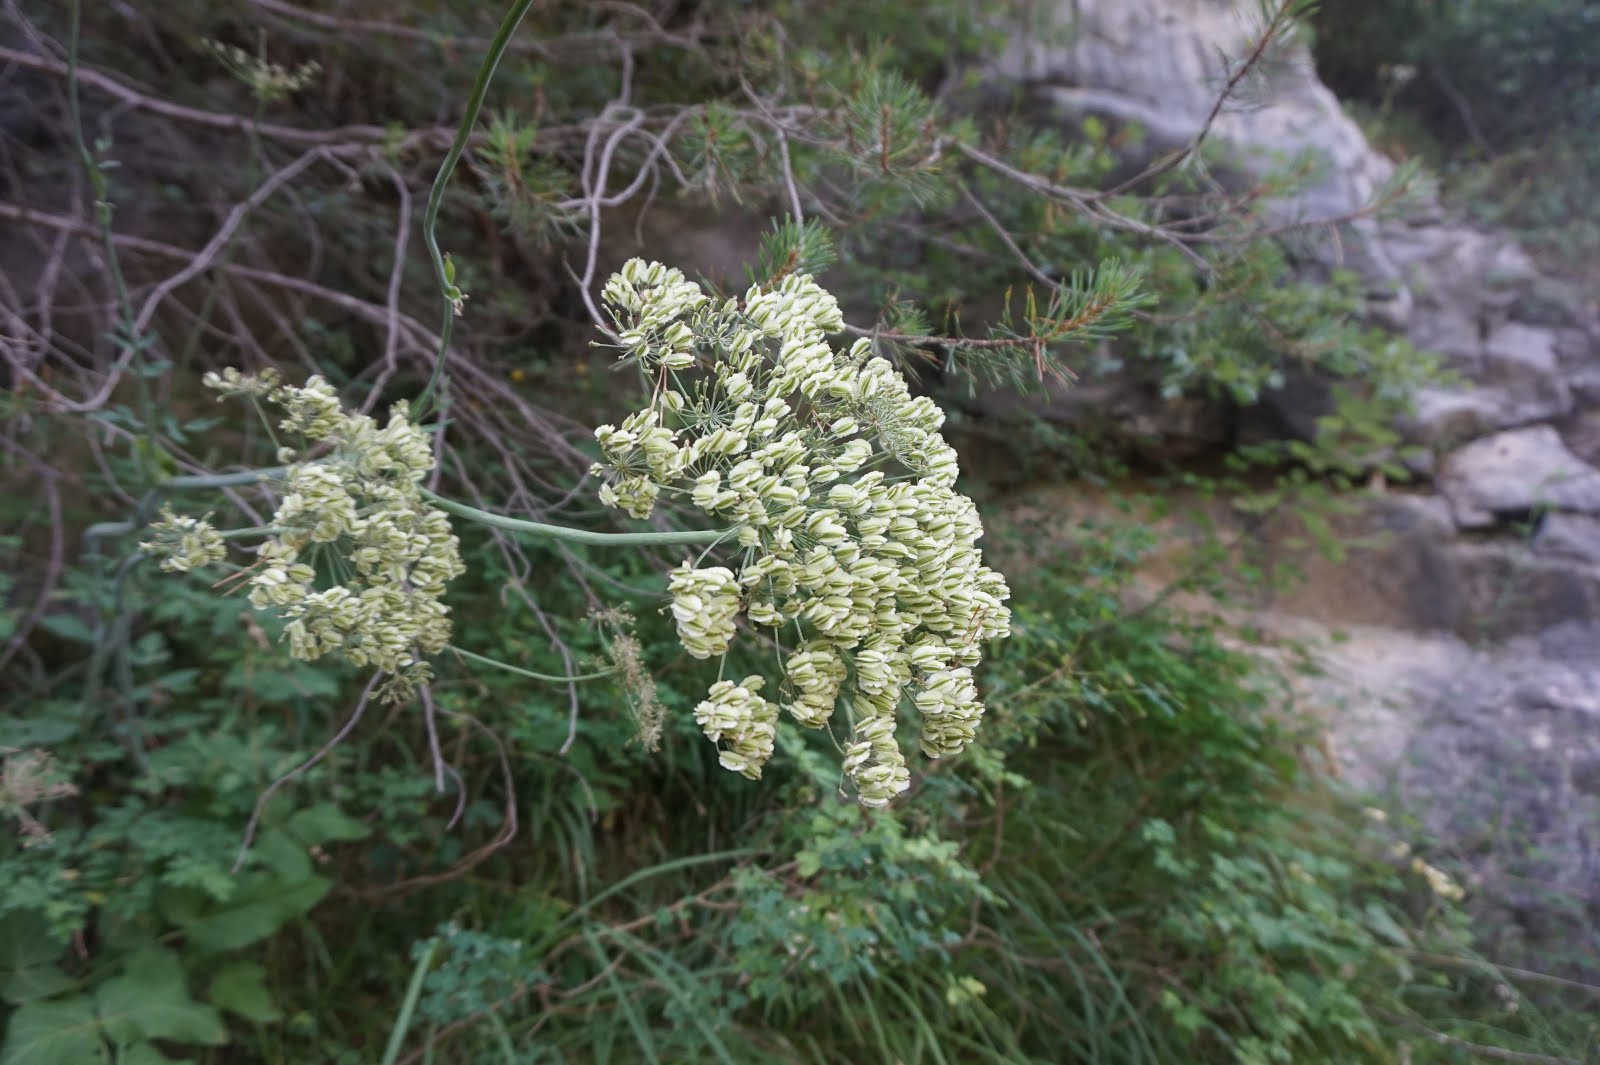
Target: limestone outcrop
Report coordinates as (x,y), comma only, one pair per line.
(1471,683)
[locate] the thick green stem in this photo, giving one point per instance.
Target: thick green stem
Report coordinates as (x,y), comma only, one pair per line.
(574,536)
(430,217)
(519,671)
(224,480)
(245,534)
(402,1023)
(178,484)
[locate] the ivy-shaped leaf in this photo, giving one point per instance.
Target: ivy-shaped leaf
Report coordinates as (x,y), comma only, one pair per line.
(323,823)
(281,857)
(28,956)
(54,1033)
(150,1000)
(241,988)
(262,905)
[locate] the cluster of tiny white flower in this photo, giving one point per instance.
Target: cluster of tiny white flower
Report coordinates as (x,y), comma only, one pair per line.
(875,569)
(184,543)
(734,714)
(1439,881)
(233,382)
(361,506)
(267,80)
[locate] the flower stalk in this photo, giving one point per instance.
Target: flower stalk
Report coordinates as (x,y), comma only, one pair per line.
(852,552)
(543,531)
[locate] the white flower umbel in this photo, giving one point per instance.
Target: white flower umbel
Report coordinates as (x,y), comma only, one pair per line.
(741,721)
(839,488)
(357,510)
(705,603)
(184,543)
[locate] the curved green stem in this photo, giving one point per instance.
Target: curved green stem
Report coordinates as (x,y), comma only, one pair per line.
(509,668)
(633,878)
(245,534)
(575,536)
(224,480)
(402,1023)
(174,484)
(430,216)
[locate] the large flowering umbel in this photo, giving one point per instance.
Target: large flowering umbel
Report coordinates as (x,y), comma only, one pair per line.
(858,556)
(356,512)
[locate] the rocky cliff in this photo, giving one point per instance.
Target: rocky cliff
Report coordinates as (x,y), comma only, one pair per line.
(1468,684)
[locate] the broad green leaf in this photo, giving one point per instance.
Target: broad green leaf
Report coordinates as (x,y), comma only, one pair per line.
(262,906)
(68,627)
(34,982)
(54,1033)
(150,1000)
(142,1054)
(284,682)
(28,956)
(181,905)
(241,988)
(44,729)
(280,856)
(124,934)
(322,823)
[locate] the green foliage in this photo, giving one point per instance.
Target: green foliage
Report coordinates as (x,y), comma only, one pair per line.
(138,857)
(527,190)
(793,247)
(868,899)
(147,1001)
(1474,63)
(1500,96)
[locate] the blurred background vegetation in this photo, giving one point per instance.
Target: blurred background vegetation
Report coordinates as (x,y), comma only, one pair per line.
(1499,98)
(1144,859)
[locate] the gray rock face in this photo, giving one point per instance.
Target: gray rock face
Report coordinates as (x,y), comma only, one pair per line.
(1498,751)
(1418,574)
(1164,63)
(1515,474)
(1570,536)
(1468,290)
(1519,361)
(1524,354)
(1473,665)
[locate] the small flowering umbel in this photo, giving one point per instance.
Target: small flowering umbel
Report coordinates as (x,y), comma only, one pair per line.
(744,722)
(840,490)
(357,511)
(184,543)
(232,382)
(268,81)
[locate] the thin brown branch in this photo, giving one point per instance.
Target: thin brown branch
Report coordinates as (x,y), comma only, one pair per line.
(344,138)
(1084,201)
(508,825)
(303,768)
(569,47)
(1279,21)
